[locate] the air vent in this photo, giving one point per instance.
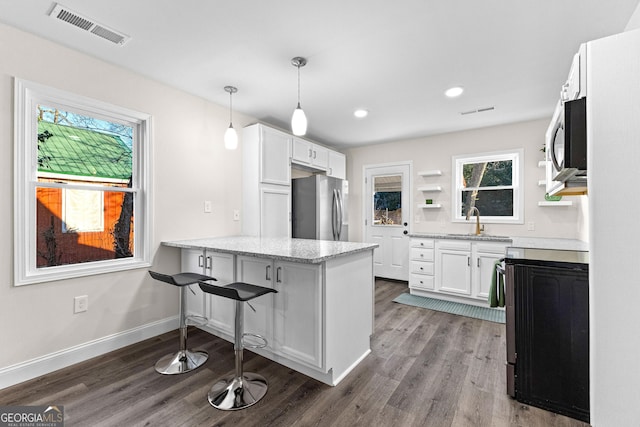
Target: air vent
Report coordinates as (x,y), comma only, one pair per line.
(65,14)
(478,110)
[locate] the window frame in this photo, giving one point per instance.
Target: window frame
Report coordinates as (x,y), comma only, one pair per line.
(516,156)
(27,95)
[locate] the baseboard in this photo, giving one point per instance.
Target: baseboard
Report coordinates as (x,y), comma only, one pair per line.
(33,368)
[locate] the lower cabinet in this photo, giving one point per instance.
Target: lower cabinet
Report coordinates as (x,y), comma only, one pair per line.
(296,335)
(453,269)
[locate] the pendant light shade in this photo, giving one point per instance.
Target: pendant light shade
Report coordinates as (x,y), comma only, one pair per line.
(230,136)
(299,119)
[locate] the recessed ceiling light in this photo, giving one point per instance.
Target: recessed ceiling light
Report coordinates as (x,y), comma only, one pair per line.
(454,91)
(361,113)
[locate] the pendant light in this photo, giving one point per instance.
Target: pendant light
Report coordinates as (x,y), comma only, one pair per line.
(230,136)
(298,120)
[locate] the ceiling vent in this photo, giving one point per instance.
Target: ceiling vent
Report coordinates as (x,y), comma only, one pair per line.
(479,110)
(65,14)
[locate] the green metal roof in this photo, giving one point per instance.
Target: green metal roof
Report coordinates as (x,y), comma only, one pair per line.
(74,151)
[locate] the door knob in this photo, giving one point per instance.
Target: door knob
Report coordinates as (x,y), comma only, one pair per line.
(405,232)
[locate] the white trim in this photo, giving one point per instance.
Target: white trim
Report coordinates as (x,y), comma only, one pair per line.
(33,368)
(517,157)
(27,96)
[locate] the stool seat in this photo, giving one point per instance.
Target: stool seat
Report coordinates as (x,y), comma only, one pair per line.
(242,389)
(184,360)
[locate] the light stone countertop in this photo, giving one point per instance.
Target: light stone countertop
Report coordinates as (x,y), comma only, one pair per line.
(482,237)
(283,249)
(515,241)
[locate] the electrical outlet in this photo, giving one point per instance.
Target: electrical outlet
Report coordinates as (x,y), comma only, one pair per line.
(531,226)
(236,215)
(81,304)
(207,206)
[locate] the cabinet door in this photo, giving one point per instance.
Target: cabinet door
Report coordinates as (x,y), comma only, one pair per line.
(260,272)
(298,312)
(301,151)
(192,261)
(275,209)
(220,310)
(337,166)
(319,156)
(454,271)
(484,270)
(275,153)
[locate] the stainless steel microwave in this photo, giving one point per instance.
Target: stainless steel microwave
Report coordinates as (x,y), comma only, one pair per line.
(566,148)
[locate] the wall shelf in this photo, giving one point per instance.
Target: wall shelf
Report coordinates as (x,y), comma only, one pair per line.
(432,206)
(558,203)
(430,188)
(434,172)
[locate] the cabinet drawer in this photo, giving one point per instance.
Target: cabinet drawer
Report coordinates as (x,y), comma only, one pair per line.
(422,254)
(420,281)
(422,243)
(422,267)
(456,245)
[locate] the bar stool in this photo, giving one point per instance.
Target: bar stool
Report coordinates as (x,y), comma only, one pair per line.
(242,389)
(184,360)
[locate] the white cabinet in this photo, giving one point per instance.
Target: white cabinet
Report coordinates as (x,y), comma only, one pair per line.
(337,165)
(218,311)
(421,264)
(309,154)
(290,320)
(266,182)
(297,332)
(453,269)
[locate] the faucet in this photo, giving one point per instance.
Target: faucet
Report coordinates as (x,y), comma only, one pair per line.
(477,218)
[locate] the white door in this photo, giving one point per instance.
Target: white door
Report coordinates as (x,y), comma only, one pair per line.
(387,208)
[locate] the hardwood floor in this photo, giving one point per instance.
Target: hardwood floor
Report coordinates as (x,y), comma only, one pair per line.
(426,368)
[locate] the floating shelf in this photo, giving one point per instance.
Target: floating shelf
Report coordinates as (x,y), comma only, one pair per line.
(432,206)
(558,203)
(434,172)
(430,188)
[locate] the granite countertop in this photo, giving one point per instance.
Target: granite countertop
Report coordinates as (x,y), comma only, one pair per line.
(481,237)
(284,249)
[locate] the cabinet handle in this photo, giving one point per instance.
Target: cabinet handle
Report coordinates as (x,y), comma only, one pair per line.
(468,261)
(478,262)
(314,154)
(421,255)
(209,263)
(310,152)
(330,171)
(268,277)
(421,243)
(278,270)
(201,261)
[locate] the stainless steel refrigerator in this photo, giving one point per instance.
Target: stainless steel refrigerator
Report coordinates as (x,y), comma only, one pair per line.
(319,208)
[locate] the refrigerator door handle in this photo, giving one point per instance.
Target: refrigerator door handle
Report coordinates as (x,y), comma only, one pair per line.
(340,214)
(334,215)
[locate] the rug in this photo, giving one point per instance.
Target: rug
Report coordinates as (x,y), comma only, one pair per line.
(483,313)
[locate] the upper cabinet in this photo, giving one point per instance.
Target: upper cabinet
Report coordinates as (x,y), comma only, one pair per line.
(337,165)
(309,154)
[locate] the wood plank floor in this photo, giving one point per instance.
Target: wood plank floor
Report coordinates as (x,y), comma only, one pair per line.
(426,368)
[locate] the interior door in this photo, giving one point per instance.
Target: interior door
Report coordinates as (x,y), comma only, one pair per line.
(387,208)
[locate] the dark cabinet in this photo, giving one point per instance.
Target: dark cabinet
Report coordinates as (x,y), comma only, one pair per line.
(549,342)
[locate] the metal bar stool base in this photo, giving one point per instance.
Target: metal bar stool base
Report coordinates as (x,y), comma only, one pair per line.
(235,393)
(181,362)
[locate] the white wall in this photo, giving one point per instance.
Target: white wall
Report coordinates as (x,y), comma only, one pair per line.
(435,152)
(190,165)
(634,21)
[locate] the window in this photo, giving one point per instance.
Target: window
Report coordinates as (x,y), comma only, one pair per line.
(489,183)
(82,177)
(387,200)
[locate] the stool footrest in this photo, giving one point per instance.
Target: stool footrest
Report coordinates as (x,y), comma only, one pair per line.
(196,320)
(262,344)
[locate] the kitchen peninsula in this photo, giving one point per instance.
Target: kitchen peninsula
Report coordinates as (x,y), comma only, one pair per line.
(320,321)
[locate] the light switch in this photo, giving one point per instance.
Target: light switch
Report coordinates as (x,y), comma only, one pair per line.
(531,226)
(207,206)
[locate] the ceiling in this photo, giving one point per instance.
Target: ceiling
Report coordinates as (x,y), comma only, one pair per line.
(394,59)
